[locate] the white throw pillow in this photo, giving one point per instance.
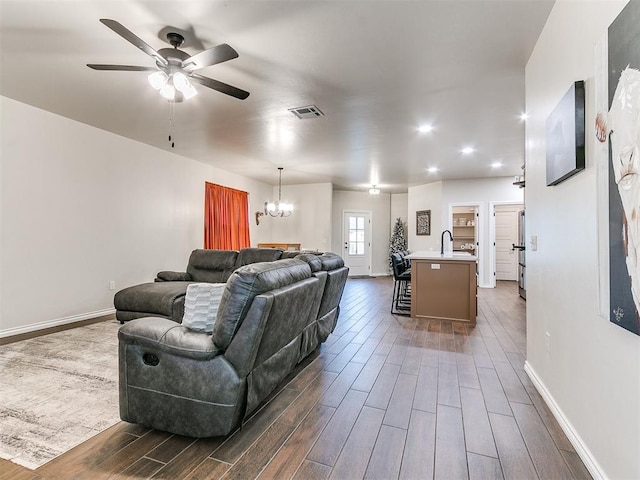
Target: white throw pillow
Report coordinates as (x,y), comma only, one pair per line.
(201,306)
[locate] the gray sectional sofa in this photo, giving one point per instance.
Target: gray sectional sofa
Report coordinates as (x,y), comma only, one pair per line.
(165,296)
(270,317)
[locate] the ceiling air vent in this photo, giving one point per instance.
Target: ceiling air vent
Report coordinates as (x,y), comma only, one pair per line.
(310,111)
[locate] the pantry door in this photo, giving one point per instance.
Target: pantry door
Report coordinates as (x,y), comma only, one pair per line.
(506,235)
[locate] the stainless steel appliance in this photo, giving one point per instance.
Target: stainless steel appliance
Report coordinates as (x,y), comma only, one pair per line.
(522,264)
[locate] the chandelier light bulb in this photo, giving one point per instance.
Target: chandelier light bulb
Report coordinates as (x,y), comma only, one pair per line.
(286,207)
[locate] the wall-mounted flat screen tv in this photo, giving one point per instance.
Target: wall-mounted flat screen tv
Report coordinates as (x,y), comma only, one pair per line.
(565,136)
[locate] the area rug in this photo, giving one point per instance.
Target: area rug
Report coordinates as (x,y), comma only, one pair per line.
(57,391)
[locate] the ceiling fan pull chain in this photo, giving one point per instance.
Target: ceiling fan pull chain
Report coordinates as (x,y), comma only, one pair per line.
(171,112)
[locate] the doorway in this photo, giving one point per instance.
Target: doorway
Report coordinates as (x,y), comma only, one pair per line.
(356,238)
(465,229)
(466,224)
(504,231)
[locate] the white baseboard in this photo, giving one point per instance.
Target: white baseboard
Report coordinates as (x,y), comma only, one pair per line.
(56,322)
(581,449)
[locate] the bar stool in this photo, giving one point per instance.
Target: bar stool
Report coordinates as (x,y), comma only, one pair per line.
(401,301)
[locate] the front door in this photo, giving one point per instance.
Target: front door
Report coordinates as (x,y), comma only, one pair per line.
(356,238)
(506,223)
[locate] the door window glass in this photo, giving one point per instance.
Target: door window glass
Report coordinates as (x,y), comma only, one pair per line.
(356,235)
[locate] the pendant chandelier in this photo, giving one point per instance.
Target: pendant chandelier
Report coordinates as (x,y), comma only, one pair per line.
(278,208)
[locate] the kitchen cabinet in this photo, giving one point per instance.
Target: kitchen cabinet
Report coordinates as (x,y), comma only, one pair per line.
(444,286)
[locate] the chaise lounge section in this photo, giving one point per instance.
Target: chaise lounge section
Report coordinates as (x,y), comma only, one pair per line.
(165,296)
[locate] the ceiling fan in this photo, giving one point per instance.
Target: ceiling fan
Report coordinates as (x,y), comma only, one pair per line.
(175,68)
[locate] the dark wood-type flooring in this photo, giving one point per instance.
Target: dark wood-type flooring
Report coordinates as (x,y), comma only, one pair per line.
(385,397)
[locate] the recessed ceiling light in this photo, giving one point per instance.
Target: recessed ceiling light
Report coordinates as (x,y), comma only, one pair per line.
(496,164)
(468,150)
(432,169)
(425,128)
(524,116)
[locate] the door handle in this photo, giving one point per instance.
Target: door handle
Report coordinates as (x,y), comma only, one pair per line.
(517,247)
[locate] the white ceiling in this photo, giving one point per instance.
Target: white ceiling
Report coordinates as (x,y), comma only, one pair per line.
(377,69)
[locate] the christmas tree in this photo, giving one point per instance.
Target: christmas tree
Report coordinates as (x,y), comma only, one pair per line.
(398,242)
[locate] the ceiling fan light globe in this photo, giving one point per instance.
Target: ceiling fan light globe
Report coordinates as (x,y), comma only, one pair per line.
(183,85)
(189,92)
(180,81)
(158,80)
(168,91)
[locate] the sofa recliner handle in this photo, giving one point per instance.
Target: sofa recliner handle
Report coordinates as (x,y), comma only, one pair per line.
(150,359)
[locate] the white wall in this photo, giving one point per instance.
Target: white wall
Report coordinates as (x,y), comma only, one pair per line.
(380,208)
(425,197)
(310,223)
(591,375)
(399,208)
(81,207)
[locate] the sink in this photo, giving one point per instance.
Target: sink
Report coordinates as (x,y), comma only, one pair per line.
(459,255)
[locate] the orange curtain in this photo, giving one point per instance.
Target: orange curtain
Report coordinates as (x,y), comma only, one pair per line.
(226,218)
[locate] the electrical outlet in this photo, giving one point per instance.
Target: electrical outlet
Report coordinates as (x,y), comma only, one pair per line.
(112,285)
(547,341)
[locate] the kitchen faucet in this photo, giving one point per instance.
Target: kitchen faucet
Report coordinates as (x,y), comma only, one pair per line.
(442,240)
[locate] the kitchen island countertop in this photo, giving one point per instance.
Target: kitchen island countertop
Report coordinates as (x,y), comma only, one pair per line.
(432,255)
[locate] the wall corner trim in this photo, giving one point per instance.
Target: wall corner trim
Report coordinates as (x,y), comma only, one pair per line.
(581,449)
(55,322)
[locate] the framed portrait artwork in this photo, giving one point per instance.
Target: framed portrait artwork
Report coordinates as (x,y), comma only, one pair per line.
(423,222)
(618,129)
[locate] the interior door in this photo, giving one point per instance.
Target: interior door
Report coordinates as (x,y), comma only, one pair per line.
(506,224)
(356,238)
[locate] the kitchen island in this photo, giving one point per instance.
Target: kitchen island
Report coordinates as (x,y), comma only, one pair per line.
(444,286)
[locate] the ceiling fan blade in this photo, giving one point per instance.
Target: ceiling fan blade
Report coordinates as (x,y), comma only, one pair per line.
(219,86)
(129,68)
(133,39)
(218,54)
